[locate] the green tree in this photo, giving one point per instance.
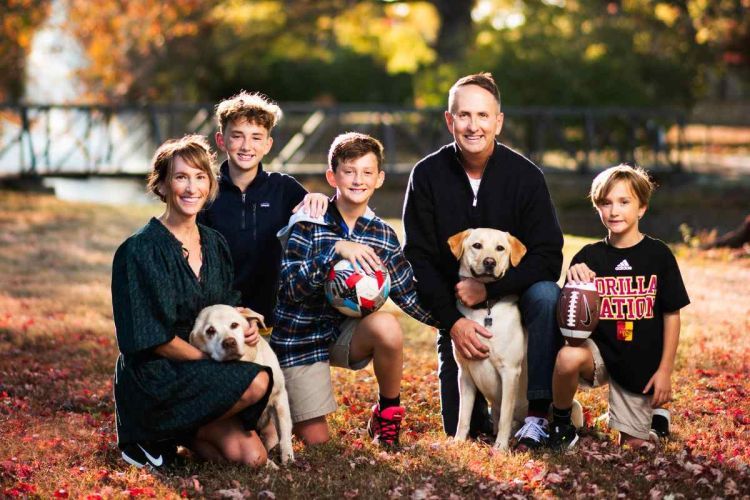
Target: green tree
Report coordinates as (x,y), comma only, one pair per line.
(19,20)
(555,52)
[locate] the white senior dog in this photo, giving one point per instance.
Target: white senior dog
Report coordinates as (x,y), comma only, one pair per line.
(485,255)
(219,332)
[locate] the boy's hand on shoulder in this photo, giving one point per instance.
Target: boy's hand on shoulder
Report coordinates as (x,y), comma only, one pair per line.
(661,381)
(358,254)
(313,204)
(580,273)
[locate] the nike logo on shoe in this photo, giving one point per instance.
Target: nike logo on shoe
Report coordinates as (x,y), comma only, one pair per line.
(156,462)
(137,455)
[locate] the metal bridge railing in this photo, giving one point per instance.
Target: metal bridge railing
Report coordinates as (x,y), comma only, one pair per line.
(41,139)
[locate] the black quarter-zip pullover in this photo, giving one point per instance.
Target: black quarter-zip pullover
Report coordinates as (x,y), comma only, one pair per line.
(512,196)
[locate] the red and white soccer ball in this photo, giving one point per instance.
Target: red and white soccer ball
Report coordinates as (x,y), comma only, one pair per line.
(578,310)
(354,293)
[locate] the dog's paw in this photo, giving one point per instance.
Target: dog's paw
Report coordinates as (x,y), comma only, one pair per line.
(501,447)
(458,439)
(287,458)
(271,465)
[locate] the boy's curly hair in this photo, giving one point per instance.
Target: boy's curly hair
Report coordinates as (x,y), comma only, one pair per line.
(195,151)
(638,179)
(353,145)
(254,107)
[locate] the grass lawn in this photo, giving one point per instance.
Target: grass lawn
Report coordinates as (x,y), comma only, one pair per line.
(57,354)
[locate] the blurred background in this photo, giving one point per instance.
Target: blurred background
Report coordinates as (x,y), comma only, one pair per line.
(89,89)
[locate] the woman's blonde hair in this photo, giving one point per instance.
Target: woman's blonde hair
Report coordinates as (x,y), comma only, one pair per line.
(636,177)
(195,151)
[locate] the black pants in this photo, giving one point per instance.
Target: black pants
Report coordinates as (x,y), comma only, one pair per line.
(449,394)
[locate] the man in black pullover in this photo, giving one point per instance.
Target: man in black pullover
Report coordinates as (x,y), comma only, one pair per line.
(478,182)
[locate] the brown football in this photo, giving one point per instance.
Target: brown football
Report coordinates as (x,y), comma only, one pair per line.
(578,310)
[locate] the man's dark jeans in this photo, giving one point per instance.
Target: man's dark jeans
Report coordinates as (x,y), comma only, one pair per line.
(538,306)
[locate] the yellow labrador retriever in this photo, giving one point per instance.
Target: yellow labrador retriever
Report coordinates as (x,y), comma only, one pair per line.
(485,255)
(218,331)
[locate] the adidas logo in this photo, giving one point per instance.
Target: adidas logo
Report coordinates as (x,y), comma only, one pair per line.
(623,266)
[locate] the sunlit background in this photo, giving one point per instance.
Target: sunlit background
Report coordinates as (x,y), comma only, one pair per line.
(89,89)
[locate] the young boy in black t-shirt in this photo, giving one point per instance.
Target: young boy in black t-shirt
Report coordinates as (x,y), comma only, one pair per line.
(633,347)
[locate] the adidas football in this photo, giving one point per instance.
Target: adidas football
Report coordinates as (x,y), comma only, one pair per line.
(578,310)
(354,293)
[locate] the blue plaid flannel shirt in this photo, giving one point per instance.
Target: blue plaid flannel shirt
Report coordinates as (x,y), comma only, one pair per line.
(305,324)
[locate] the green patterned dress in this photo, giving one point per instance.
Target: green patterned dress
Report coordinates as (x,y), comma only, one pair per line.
(155,297)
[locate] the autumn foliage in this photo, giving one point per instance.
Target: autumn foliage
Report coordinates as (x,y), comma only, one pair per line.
(57,353)
(578,53)
(18,22)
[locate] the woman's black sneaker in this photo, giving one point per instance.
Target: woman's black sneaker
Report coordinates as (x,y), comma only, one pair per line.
(562,436)
(156,454)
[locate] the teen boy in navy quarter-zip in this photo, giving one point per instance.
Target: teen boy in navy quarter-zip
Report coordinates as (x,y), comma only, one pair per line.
(253,204)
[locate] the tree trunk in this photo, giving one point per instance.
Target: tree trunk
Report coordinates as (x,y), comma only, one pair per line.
(455,32)
(733,239)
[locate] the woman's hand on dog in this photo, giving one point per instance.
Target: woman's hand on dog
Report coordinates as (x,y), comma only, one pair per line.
(464,334)
(470,292)
(580,273)
(252,335)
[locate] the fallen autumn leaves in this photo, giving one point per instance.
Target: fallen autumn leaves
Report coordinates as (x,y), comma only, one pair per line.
(57,353)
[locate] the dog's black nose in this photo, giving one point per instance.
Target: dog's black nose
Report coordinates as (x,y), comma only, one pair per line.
(229,343)
(489,263)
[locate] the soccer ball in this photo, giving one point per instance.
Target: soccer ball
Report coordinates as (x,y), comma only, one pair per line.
(354,293)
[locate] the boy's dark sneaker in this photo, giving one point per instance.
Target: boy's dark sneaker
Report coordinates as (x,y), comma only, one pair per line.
(660,420)
(562,436)
(156,454)
(533,435)
(384,427)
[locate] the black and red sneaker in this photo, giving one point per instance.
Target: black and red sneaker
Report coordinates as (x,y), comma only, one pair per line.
(384,427)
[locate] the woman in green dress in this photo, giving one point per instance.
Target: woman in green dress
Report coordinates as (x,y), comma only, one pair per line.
(167,392)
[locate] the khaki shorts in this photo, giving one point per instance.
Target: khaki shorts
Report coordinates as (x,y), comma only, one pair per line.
(309,386)
(628,412)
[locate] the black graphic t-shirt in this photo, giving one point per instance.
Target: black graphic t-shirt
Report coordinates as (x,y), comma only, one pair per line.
(637,285)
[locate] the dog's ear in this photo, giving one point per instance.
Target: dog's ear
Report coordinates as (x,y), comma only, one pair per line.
(456,243)
(517,250)
(249,314)
(195,339)
(200,321)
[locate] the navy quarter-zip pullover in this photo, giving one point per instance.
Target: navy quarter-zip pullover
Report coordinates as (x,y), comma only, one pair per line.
(249,221)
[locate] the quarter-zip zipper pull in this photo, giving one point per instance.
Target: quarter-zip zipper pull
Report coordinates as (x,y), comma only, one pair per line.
(474,204)
(242,224)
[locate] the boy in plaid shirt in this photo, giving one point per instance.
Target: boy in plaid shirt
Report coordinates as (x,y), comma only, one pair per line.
(309,335)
